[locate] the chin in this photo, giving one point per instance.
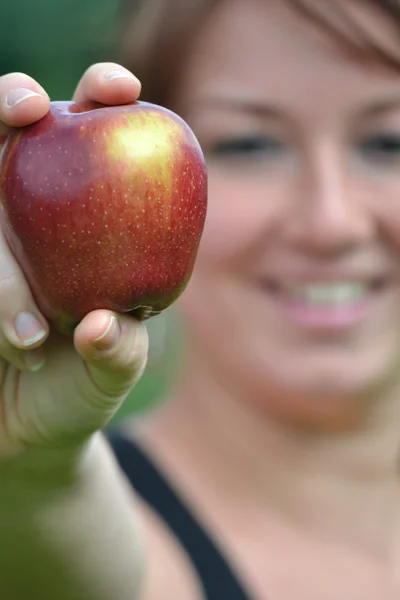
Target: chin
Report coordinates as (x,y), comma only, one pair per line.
(325,392)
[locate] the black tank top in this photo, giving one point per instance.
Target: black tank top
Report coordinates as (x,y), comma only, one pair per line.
(215,574)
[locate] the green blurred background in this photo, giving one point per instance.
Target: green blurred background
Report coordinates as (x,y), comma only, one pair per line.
(54,41)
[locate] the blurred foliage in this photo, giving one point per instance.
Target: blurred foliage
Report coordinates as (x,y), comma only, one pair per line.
(54,41)
(165,342)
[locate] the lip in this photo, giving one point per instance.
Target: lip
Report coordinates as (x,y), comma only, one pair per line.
(328,318)
(298,276)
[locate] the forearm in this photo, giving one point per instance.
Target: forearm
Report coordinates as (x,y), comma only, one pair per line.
(70,533)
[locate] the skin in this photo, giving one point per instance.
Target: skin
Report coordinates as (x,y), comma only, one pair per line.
(287,448)
(113,350)
(286,441)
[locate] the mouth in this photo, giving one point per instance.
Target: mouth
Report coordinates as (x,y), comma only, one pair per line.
(326,305)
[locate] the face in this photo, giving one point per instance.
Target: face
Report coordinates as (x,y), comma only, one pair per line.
(295,299)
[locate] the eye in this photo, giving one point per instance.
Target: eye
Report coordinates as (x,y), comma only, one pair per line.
(246,147)
(381,146)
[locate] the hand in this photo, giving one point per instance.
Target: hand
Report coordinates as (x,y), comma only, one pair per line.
(56,391)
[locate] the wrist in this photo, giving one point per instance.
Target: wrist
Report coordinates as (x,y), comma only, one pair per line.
(38,469)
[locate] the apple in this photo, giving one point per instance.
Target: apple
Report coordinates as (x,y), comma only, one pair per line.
(103,207)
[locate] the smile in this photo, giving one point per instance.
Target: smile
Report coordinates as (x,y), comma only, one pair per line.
(328,305)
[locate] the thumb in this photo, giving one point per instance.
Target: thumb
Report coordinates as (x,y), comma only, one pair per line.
(114,348)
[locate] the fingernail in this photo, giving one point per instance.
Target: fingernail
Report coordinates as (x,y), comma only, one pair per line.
(119,75)
(19,95)
(34,359)
(109,337)
(28,329)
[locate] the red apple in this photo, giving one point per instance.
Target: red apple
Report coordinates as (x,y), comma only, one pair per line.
(104,207)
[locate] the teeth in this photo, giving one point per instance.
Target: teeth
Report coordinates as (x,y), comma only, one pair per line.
(330,293)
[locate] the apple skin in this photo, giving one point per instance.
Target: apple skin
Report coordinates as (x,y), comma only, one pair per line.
(103,207)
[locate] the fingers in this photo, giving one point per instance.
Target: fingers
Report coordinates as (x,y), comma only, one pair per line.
(114,348)
(23,328)
(107,83)
(22,101)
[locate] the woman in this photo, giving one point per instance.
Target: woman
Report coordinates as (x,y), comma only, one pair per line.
(272,470)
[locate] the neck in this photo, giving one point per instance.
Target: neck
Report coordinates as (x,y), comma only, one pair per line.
(342,485)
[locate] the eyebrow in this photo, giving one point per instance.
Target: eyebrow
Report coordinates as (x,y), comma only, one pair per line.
(266,110)
(381,106)
(255,107)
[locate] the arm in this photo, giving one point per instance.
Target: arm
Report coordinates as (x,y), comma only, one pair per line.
(68,528)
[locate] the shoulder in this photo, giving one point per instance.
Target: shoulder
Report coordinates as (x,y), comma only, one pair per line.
(169,574)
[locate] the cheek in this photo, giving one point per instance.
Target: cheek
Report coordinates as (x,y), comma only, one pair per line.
(382,200)
(233,223)
(230,229)
(388,215)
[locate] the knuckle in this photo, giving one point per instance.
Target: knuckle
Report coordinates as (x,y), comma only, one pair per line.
(138,358)
(15,78)
(10,284)
(129,356)
(99,68)
(93,70)
(141,342)
(14,291)
(12,356)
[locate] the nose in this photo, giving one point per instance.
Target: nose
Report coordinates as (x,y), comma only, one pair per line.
(327,214)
